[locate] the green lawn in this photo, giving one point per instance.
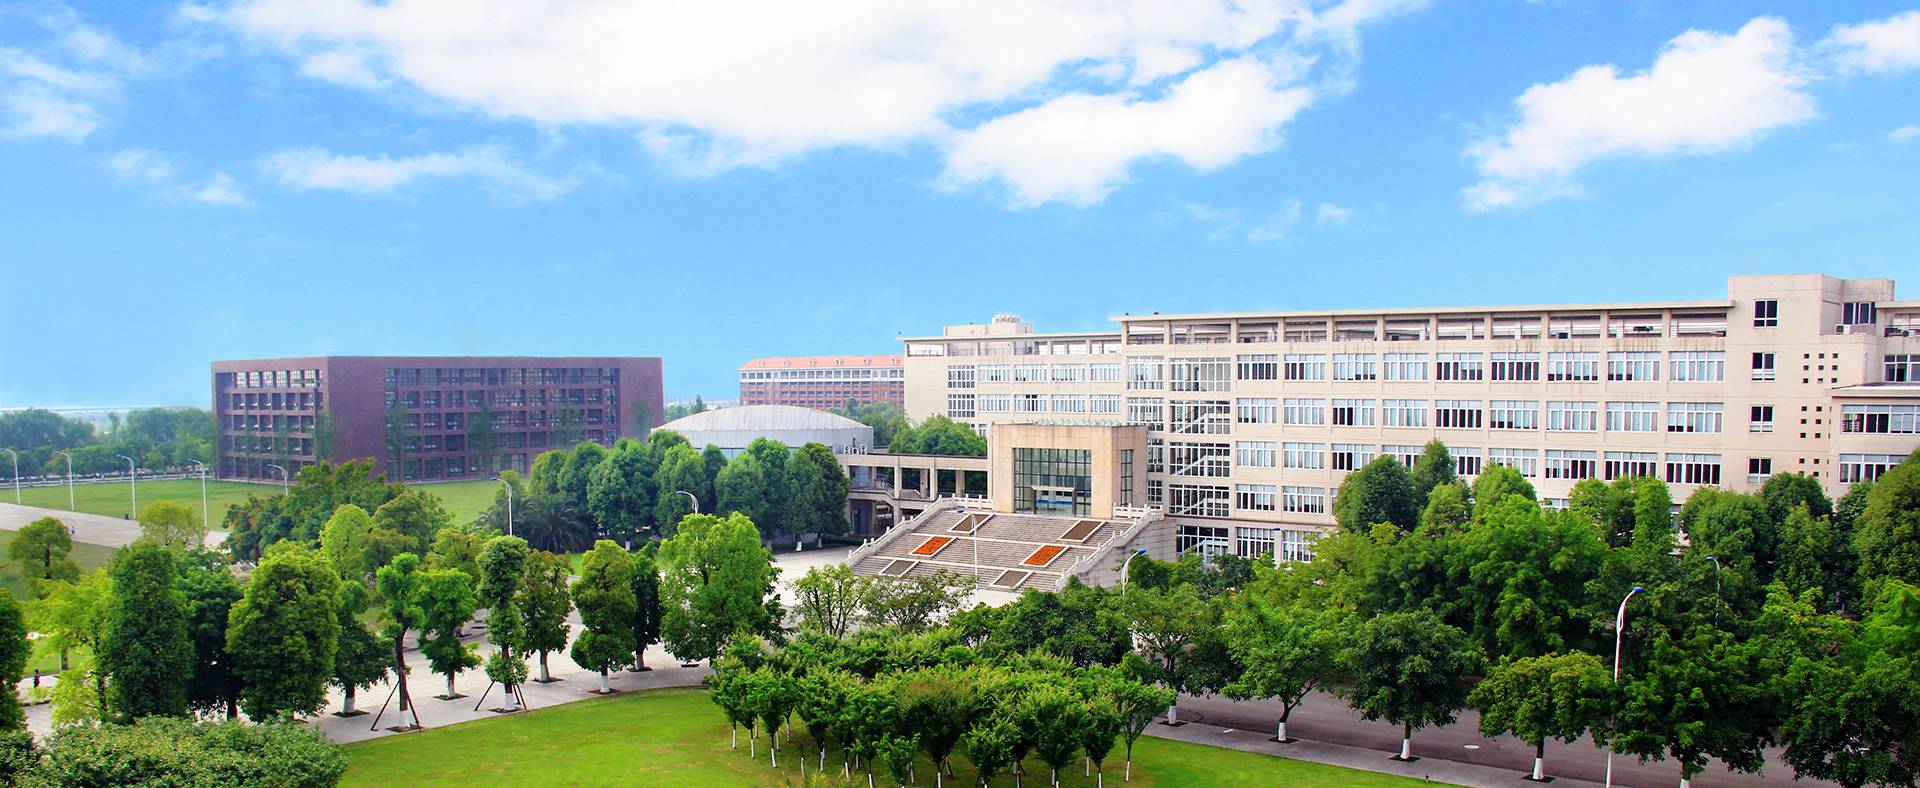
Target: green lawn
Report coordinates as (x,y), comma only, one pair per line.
(464,499)
(677,737)
(88,556)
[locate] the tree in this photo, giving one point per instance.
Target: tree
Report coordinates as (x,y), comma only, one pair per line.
(743,486)
(1527,571)
(544,605)
(1409,669)
(41,548)
(343,540)
(576,475)
(399,584)
(646,605)
(990,744)
(415,514)
(284,633)
(712,459)
(828,599)
(1887,535)
(13,661)
(1137,704)
(1170,625)
(897,754)
(503,565)
(1083,624)
(323,436)
(1447,508)
(145,648)
(716,579)
(937,704)
(604,596)
(1696,694)
(210,591)
(817,489)
(1500,481)
(938,435)
(456,549)
(1102,730)
(1852,721)
(447,603)
(171,525)
(1559,696)
(483,436)
(914,604)
(359,659)
(1054,719)
(1433,468)
(620,493)
(399,434)
(73,617)
(1815,554)
(1381,492)
(1284,651)
(1784,492)
(680,471)
(315,494)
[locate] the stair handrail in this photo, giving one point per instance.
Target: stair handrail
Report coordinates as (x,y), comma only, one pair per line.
(1124,536)
(873,545)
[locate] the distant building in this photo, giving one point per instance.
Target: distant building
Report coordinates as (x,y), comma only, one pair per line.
(823,382)
(731,429)
(269,411)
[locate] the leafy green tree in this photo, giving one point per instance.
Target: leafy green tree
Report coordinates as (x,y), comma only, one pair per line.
(680,471)
(1381,492)
(1101,732)
(1735,529)
(897,754)
(456,549)
(1433,468)
(772,698)
(817,492)
(1696,694)
(13,661)
(1409,669)
(620,493)
(343,540)
(399,585)
(171,525)
(415,514)
(914,604)
(324,436)
(744,486)
(483,436)
(1815,554)
(1447,508)
(146,648)
(1559,696)
(1527,573)
(164,751)
(1887,532)
(1171,626)
(1284,651)
(73,617)
(284,632)
(1137,704)
(503,566)
(1851,721)
(576,475)
(716,580)
(544,605)
(1054,719)
(210,591)
(1784,492)
(1083,624)
(1652,516)
(318,491)
(447,603)
(646,605)
(359,659)
(990,744)
(829,599)
(1498,482)
(41,548)
(885,418)
(940,436)
(712,459)
(937,704)
(604,596)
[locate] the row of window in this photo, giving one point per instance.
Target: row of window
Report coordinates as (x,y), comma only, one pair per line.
(269,378)
(847,374)
(500,397)
(1888,419)
(1287,544)
(1217,374)
(1216,417)
(517,376)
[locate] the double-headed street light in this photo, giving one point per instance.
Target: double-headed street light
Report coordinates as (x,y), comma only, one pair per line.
(204,523)
(70,506)
(133,483)
(1619,628)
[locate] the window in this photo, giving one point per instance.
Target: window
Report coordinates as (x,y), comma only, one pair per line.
(1515,366)
(1126,477)
(1633,366)
(1760,418)
(1405,366)
(1901,368)
(1526,461)
(1353,413)
(1103,403)
(995,373)
(1256,410)
(1256,497)
(1200,417)
(1067,373)
(1573,416)
(1202,539)
(1069,403)
(1698,366)
(1156,492)
(1029,403)
(1457,413)
(1354,366)
(1297,545)
(1858,313)
(1570,464)
(1052,481)
(1305,412)
(1199,500)
(1693,468)
(1199,374)
(1573,366)
(1883,419)
(1303,500)
(1766,314)
(1626,464)
(1406,454)
(1351,456)
(1866,467)
(1458,366)
(1029,373)
(1251,542)
(1156,455)
(1513,414)
(1199,459)
(1306,366)
(1151,411)
(1466,460)
(1256,454)
(1104,373)
(960,406)
(1311,456)
(1633,417)
(1763,366)
(1758,469)
(960,377)
(996,403)
(1404,412)
(1257,367)
(1146,372)
(1694,416)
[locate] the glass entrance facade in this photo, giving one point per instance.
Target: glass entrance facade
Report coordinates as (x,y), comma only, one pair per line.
(1052,481)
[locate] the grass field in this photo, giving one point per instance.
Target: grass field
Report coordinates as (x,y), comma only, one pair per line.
(88,556)
(677,737)
(464,499)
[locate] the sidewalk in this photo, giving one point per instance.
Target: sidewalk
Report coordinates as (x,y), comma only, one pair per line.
(90,528)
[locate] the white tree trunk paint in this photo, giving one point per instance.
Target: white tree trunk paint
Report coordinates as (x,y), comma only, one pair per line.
(513,700)
(1280,731)
(450,692)
(1170,717)
(1406,748)
(544,675)
(1539,767)
(605,686)
(406,717)
(346,704)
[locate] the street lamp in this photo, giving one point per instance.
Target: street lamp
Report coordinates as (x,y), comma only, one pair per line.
(1619,628)
(1123,566)
(503,483)
(133,483)
(204,524)
(696,501)
(1716,574)
(70,506)
(286,479)
(16,475)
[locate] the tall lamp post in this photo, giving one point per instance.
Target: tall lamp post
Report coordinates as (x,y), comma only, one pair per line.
(16,475)
(286,479)
(509,488)
(1619,628)
(133,484)
(1123,566)
(205,525)
(696,501)
(1716,574)
(70,506)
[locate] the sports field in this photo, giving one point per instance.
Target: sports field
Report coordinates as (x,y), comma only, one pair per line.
(676,737)
(464,499)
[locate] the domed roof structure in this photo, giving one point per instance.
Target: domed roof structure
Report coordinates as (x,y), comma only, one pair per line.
(732,429)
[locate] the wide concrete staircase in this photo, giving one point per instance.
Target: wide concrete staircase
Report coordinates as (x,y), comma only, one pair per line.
(990,546)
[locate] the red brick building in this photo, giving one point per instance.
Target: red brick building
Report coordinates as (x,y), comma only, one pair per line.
(823,382)
(280,411)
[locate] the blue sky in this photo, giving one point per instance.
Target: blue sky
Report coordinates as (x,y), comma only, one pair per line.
(187,182)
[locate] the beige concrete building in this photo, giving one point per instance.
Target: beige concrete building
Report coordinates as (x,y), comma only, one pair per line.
(1242,425)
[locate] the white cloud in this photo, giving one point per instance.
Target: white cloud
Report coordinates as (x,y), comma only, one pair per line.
(1885,45)
(217,189)
(139,164)
(1279,225)
(1904,133)
(55,89)
(1706,92)
(313,168)
(997,85)
(1330,215)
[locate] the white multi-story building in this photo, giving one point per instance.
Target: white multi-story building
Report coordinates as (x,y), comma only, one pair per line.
(1252,419)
